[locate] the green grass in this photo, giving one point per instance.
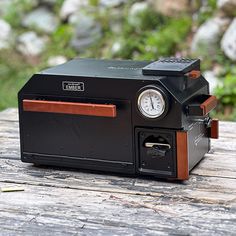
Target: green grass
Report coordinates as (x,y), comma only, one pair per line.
(14,72)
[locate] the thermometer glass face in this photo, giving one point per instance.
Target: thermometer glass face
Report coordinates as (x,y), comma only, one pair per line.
(151,103)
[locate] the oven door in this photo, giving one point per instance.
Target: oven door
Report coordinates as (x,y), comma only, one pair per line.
(85,133)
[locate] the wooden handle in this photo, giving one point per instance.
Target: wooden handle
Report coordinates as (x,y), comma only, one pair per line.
(208,105)
(182,155)
(214,130)
(74,108)
(194,74)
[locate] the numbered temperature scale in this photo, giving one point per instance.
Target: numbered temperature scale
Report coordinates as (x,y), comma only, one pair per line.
(151,103)
(130,117)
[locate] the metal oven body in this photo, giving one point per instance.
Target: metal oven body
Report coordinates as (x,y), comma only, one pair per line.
(116,116)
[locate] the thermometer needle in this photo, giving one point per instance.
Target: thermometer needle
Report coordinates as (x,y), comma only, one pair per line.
(151,101)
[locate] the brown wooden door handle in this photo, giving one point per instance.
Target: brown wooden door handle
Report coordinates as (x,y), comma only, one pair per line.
(75,108)
(208,105)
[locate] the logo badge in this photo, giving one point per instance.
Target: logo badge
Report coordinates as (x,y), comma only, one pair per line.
(73,86)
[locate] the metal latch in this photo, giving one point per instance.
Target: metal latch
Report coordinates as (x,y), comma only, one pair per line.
(159,148)
(150,145)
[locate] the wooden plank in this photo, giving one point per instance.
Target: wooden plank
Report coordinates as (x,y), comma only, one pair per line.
(217,164)
(60,211)
(9,134)
(209,189)
(71,202)
(10,114)
(227,129)
(9,129)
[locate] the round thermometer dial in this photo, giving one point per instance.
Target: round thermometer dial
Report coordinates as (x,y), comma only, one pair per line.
(151,103)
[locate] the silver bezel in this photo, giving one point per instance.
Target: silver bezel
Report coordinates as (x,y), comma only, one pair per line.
(144,112)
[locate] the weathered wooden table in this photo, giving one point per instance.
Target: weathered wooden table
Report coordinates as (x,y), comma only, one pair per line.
(68,202)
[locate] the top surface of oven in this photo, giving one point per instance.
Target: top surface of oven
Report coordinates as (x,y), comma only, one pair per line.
(118,69)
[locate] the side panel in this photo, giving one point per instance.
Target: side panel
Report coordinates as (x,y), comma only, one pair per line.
(198,142)
(192,145)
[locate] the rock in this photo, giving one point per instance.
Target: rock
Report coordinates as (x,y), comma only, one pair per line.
(56,60)
(29,44)
(5,34)
(228,42)
(85,26)
(70,7)
(205,40)
(5,6)
(87,31)
(116,47)
(111,3)
(135,11)
(81,43)
(227,6)
(173,8)
(82,21)
(42,19)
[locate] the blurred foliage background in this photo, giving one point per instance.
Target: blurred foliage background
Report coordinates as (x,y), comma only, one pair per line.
(36,34)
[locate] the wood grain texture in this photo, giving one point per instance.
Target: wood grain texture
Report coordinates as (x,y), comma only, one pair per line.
(75,108)
(182,155)
(208,105)
(214,133)
(59,201)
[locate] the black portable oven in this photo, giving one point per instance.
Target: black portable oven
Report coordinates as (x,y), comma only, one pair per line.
(131,117)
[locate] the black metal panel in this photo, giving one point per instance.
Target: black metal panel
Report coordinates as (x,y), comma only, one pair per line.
(157,160)
(198,142)
(103,88)
(98,138)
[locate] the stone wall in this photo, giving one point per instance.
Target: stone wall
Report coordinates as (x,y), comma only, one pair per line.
(37,20)
(217,32)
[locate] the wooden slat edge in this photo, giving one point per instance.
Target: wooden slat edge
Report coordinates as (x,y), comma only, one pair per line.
(182,155)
